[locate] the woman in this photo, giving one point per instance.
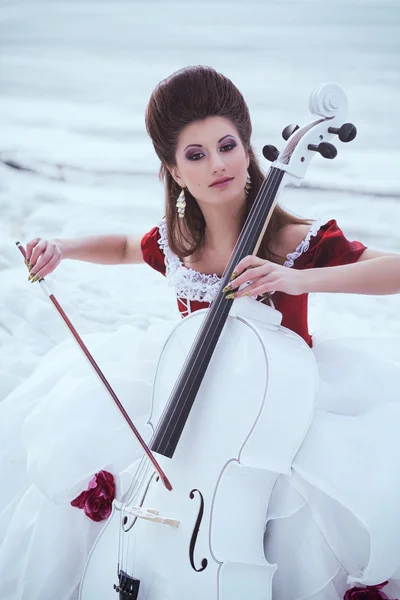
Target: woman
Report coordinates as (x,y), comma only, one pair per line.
(331,525)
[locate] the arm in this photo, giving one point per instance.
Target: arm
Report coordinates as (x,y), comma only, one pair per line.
(44,256)
(103,249)
(375,273)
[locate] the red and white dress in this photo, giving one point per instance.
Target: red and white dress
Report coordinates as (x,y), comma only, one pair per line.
(324,246)
(332,524)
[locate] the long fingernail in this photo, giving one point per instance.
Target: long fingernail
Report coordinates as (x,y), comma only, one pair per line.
(234,274)
(230,296)
(31,276)
(227,288)
(35,279)
(247,294)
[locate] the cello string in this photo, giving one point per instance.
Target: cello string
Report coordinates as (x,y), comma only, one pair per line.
(133,489)
(121,544)
(218,314)
(123,554)
(254,218)
(132,493)
(141,482)
(212,325)
(137,481)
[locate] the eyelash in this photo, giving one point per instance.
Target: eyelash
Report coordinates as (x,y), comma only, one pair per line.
(231,146)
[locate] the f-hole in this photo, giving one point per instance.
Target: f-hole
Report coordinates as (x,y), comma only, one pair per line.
(193,540)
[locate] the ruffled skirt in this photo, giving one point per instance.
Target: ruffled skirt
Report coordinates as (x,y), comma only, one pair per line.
(332,524)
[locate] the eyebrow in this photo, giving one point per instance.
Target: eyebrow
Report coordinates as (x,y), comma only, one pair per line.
(200,146)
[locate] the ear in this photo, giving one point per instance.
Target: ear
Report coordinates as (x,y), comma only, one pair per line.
(175,174)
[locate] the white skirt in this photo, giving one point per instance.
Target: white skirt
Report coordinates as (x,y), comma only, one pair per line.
(332,524)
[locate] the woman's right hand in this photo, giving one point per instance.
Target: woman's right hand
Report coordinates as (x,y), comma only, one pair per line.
(43,256)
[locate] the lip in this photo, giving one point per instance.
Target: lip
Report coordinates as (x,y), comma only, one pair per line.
(221,182)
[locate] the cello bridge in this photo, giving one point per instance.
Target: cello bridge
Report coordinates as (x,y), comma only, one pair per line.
(151,514)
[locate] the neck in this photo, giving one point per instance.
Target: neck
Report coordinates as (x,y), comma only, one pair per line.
(223,225)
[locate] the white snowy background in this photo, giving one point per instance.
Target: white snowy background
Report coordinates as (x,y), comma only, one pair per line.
(75,78)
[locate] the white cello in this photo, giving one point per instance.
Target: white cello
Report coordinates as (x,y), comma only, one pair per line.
(227,419)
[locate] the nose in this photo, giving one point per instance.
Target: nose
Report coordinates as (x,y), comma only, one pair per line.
(217,163)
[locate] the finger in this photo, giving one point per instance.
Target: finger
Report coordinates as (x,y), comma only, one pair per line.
(251,274)
(249,290)
(256,288)
(43,259)
(49,267)
(246,262)
(30,246)
(245,291)
(38,249)
(265,288)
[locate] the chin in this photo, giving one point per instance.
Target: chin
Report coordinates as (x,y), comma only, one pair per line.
(237,198)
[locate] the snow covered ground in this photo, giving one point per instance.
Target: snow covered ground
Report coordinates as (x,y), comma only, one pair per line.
(75,78)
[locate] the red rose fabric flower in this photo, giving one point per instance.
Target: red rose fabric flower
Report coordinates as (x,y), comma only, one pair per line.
(97,500)
(370,592)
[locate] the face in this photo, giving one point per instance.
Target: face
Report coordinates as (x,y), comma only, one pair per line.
(208,151)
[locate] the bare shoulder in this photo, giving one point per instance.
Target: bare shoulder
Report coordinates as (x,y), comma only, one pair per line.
(289,237)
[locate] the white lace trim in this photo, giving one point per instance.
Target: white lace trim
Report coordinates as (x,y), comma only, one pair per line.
(304,245)
(188,283)
(192,285)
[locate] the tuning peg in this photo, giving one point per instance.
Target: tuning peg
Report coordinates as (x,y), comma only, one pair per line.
(325,149)
(287,132)
(270,152)
(347,132)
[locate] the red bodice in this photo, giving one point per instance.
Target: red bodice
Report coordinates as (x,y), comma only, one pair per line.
(328,248)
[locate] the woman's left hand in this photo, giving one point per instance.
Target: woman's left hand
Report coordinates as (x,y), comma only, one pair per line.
(265,276)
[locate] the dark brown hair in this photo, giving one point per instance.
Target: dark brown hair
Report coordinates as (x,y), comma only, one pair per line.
(193,94)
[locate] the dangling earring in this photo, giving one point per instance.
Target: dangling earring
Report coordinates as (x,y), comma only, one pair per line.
(247,187)
(181,203)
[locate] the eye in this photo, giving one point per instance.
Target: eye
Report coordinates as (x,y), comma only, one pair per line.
(228,147)
(195,156)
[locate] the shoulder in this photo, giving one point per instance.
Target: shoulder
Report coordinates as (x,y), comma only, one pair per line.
(150,239)
(290,236)
(156,237)
(327,246)
(152,246)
